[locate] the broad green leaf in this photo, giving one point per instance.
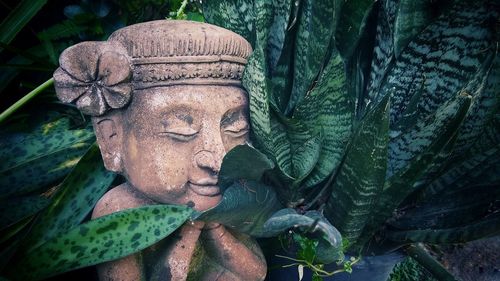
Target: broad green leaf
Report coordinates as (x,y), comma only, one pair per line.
(18,18)
(351,24)
(361,176)
(457,175)
(328,111)
(75,198)
(442,58)
(30,161)
(245,206)
(305,157)
(243,162)
(311,223)
(235,15)
(402,184)
(409,145)
(489,226)
(281,11)
(106,238)
(412,17)
(16,209)
(316,26)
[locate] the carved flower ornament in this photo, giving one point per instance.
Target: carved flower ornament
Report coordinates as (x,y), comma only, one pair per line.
(95,76)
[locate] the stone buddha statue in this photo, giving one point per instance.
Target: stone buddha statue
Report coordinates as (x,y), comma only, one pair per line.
(166,103)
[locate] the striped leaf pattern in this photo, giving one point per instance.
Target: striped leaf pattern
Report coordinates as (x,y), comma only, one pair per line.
(442,57)
(315,28)
(328,110)
(362,174)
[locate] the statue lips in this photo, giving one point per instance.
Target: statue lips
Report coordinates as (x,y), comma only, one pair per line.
(205,187)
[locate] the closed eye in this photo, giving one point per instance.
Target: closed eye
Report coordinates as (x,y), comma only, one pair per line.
(236,132)
(180,133)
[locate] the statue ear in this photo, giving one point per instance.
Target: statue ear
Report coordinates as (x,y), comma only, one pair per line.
(109,135)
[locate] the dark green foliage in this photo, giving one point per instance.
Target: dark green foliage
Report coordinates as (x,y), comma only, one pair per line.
(410,270)
(106,238)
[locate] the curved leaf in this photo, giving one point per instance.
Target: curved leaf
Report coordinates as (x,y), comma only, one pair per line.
(245,206)
(243,162)
(312,222)
(103,239)
(14,210)
(362,175)
(76,197)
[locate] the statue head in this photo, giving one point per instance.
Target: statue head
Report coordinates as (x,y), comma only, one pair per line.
(166,103)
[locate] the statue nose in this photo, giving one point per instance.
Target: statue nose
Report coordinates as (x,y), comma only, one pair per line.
(207,160)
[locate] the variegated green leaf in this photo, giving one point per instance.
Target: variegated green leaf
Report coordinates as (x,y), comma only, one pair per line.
(400,185)
(103,239)
(16,209)
(30,161)
(361,176)
(442,57)
(452,207)
(486,227)
(305,157)
(235,15)
(311,223)
(408,146)
(245,206)
(74,200)
(281,15)
(328,110)
(243,162)
(316,26)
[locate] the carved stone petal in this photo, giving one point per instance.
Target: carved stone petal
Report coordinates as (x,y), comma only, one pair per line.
(92,102)
(67,88)
(113,68)
(117,96)
(80,61)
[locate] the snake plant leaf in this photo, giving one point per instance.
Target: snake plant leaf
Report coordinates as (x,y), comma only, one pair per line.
(452,207)
(327,110)
(443,57)
(17,209)
(281,11)
(310,223)
(245,206)
(409,145)
(103,239)
(489,226)
(352,19)
(316,26)
(74,200)
(400,185)
(243,162)
(484,88)
(361,176)
(30,161)
(383,50)
(412,17)
(457,175)
(235,15)
(305,157)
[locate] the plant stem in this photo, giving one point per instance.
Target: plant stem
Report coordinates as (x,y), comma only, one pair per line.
(181,9)
(419,254)
(25,99)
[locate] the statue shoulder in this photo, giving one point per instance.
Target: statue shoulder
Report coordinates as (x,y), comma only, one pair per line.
(117,199)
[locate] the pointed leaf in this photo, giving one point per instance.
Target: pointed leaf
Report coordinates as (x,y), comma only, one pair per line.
(245,206)
(361,176)
(18,18)
(316,25)
(14,210)
(75,198)
(327,110)
(243,162)
(106,238)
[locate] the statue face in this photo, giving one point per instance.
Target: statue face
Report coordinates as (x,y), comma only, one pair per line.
(174,139)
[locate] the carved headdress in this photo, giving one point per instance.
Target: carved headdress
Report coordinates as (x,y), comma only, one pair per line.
(97,76)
